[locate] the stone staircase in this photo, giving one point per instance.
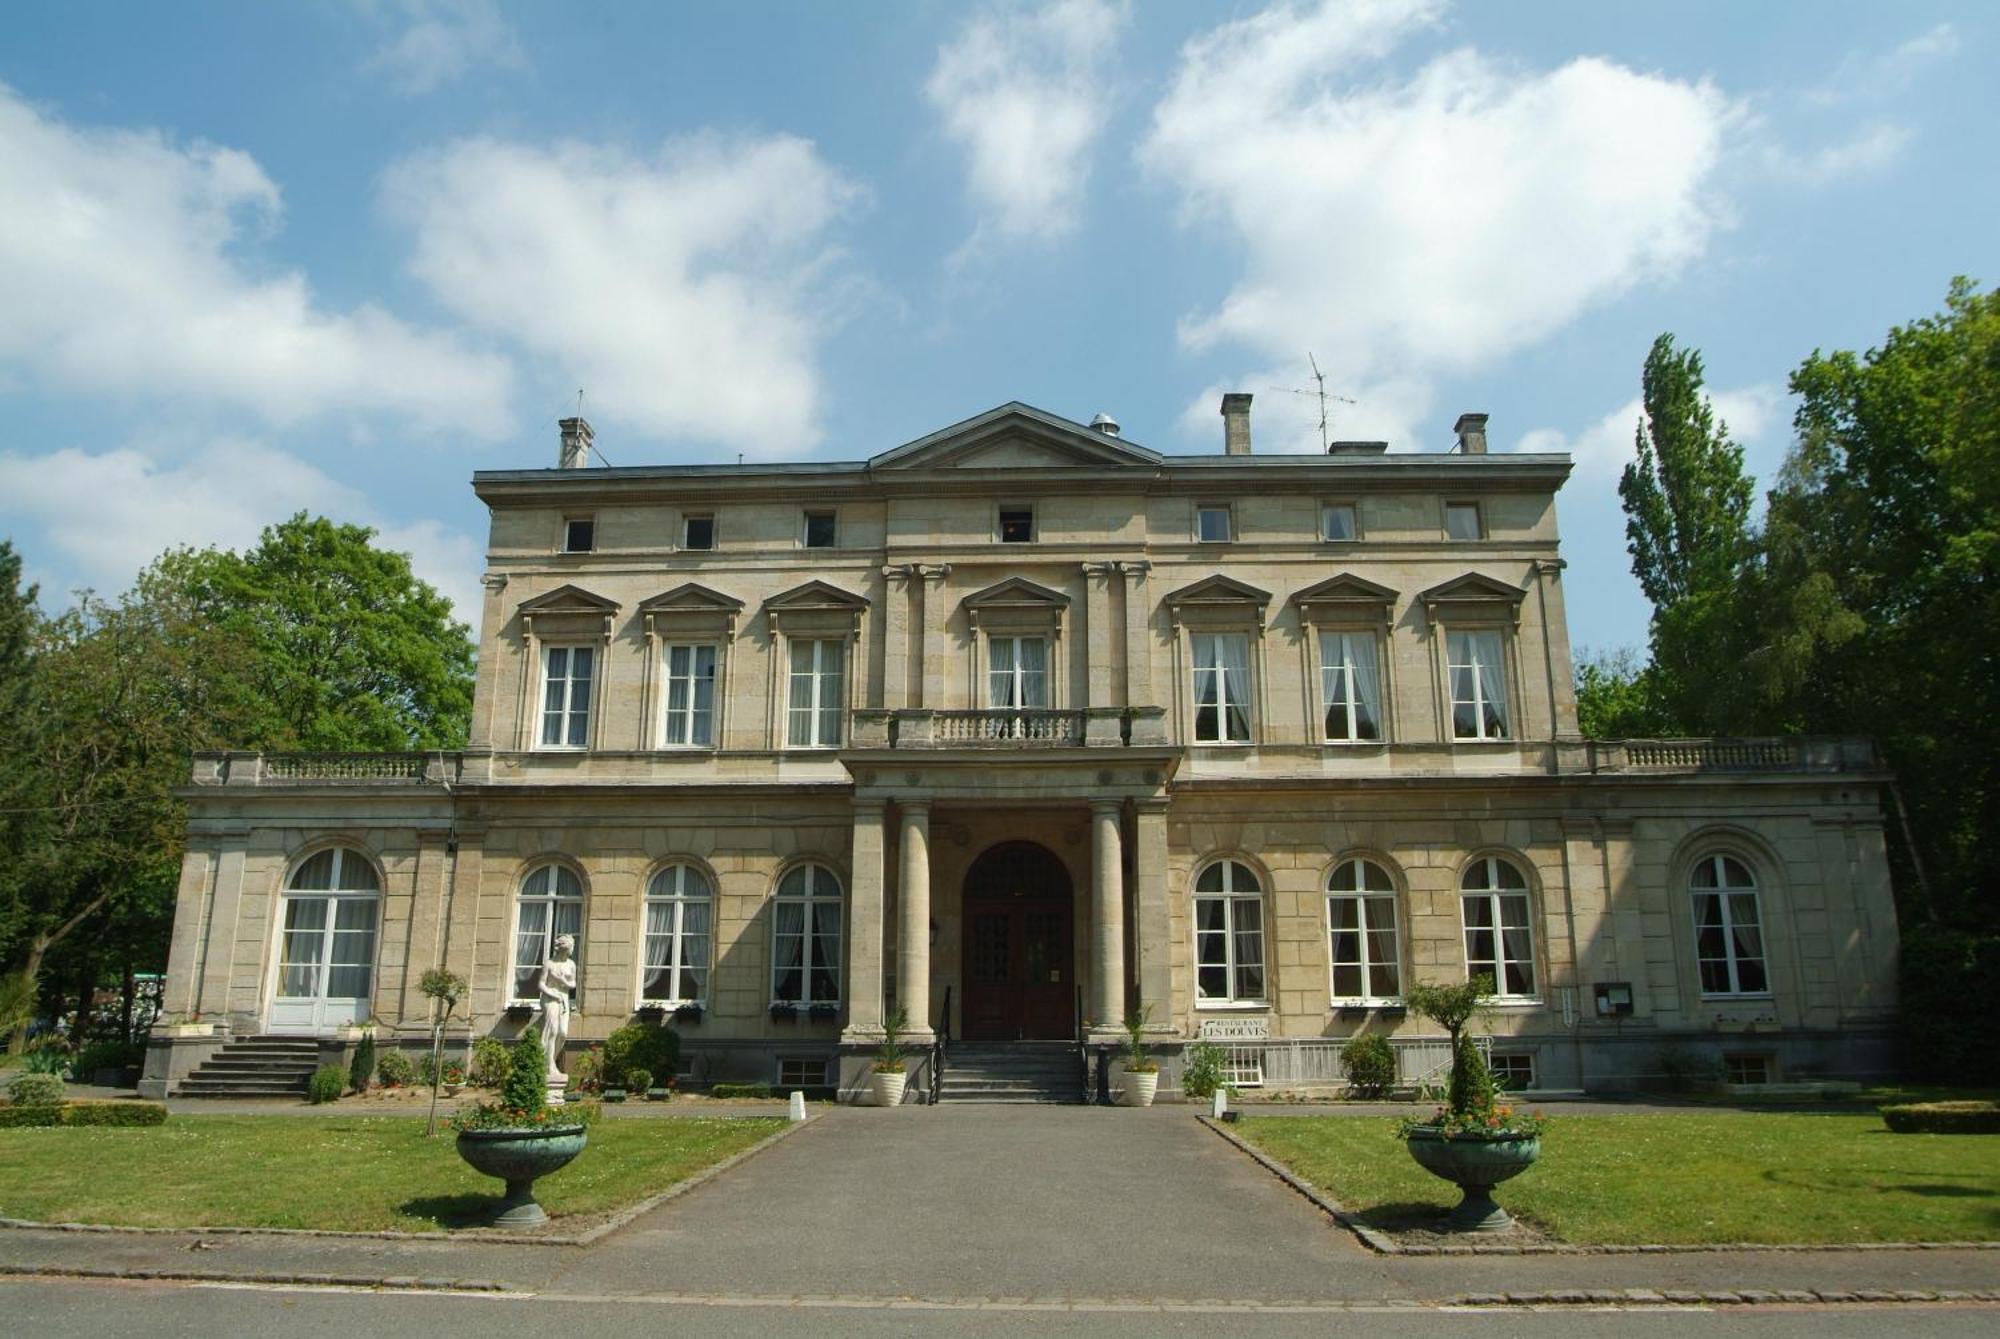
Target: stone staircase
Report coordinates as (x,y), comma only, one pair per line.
(1012,1071)
(254,1067)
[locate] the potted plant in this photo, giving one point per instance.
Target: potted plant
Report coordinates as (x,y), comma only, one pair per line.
(887,1082)
(454,1078)
(1142,1072)
(1474,1140)
(784,1011)
(687,1013)
(521,1137)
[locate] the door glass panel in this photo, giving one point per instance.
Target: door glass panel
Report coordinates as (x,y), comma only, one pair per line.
(305,943)
(351,962)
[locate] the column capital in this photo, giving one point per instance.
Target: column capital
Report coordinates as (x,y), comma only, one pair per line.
(1102,807)
(915,808)
(931,571)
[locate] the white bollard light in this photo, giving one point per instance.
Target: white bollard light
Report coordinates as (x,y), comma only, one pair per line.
(1220,1103)
(798,1112)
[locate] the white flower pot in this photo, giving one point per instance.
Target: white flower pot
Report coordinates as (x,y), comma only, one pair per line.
(1139,1089)
(885,1087)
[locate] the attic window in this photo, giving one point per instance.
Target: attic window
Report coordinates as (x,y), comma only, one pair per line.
(1337,522)
(698,532)
(1212,525)
(1461,521)
(820,529)
(1017,525)
(579,534)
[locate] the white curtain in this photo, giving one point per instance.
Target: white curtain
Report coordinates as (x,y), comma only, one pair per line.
(1359,651)
(788,979)
(1034,672)
(1233,653)
(1000,672)
(659,984)
(832,671)
(679,682)
(1492,682)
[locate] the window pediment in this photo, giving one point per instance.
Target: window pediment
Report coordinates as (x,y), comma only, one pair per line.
(818,606)
(1016,603)
(1015,436)
(690,608)
(1475,594)
(1345,596)
(1219,598)
(568,607)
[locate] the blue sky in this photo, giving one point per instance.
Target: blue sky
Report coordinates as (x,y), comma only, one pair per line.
(337,255)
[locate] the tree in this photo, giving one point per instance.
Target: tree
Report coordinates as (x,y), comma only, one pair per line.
(1618,698)
(351,651)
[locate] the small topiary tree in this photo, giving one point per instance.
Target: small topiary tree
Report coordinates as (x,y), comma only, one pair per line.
(1370,1062)
(490,1062)
(647,1046)
(526,1091)
(640,1078)
(362,1071)
(327,1083)
(1469,1107)
(444,989)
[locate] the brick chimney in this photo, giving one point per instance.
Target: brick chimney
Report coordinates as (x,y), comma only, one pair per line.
(1236,423)
(1471,430)
(576,437)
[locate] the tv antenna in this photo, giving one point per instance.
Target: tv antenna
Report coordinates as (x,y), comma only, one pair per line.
(1319,378)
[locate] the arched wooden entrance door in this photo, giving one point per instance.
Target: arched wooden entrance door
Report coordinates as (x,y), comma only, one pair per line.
(1020,970)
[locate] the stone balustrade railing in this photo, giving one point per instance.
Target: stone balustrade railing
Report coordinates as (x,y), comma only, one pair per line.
(1807,753)
(326,769)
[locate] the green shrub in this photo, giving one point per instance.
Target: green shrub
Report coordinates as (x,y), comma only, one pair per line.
(327,1083)
(527,1087)
(1943,1118)
(363,1067)
(647,1046)
(114,1113)
(1943,969)
(1682,1069)
(586,1071)
(36,1090)
(427,1066)
(395,1069)
(740,1090)
(49,1057)
(12,1118)
(108,1055)
(1371,1065)
(639,1080)
(583,1113)
(490,1062)
(1202,1074)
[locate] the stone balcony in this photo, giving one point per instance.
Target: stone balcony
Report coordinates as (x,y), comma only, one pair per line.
(1030,728)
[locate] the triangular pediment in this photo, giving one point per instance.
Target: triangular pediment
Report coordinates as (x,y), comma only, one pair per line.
(816,595)
(568,600)
(1016,591)
(690,597)
(1473,586)
(1218,590)
(1016,436)
(1345,588)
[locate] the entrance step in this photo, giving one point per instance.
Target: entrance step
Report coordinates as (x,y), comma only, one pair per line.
(254,1067)
(1012,1072)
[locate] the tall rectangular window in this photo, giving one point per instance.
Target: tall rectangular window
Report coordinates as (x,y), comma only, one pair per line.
(1017,672)
(1229,935)
(1221,687)
(1478,685)
(819,671)
(566,678)
(690,710)
(1349,687)
(698,532)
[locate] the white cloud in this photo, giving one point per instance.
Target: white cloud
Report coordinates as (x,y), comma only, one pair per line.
(686,292)
(1869,76)
(1754,414)
(442,40)
(106,515)
(118,262)
(1403,228)
(1026,96)
(1869,149)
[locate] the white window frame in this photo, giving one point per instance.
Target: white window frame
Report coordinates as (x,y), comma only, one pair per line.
(343,889)
(570,712)
(1502,1059)
(551,874)
(1350,702)
(1479,702)
(1353,511)
(670,887)
(811,893)
(1223,701)
(1018,677)
(1495,894)
(687,715)
(815,683)
(1362,894)
(1231,897)
(1228,514)
(1732,960)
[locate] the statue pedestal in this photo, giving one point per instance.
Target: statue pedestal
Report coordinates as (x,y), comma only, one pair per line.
(557,1083)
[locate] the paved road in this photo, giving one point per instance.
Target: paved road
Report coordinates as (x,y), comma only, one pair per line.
(64,1310)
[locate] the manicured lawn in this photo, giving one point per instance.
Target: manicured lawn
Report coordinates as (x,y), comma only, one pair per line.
(354,1174)
(1749,1177)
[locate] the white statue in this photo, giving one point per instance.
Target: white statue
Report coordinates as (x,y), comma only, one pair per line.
(558,982)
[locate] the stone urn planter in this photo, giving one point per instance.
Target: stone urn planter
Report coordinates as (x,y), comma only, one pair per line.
(886,1086)
(1140,1087)
(1475,1163)
(519,1157)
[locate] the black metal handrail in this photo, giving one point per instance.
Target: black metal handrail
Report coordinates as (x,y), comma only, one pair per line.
(939,1042)
(1082,1048)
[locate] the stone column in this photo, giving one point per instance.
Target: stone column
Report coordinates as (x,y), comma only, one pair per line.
(218,945)
(864,927)
(913,901)
(1152,910)
(1107,913)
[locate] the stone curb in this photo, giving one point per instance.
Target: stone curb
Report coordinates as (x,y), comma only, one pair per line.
(390,1283)
(1384,1244)
(474,1236)
(1738,1297)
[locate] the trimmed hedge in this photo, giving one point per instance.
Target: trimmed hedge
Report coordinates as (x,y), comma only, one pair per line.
(740,1090)
(1943,1118)
(85,1113)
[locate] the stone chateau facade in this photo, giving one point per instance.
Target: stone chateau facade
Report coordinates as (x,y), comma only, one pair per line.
(1019,728)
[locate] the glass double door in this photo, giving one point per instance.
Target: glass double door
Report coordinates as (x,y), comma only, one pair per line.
(326,962)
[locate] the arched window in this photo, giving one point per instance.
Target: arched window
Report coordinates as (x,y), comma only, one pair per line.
(1361,928)
(805,937)
(1229,935)
(678,903)
(326,955)
(551,905)
(1499,931)
(1728,931)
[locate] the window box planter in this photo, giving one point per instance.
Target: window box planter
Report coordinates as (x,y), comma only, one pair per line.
(688,1013)
(614,1094)
(652,1009)
(824,1013)
(784,1013)
(1475,1163)
(521,1009)
(520,1157)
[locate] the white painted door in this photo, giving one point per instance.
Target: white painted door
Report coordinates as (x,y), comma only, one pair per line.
(326,948)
